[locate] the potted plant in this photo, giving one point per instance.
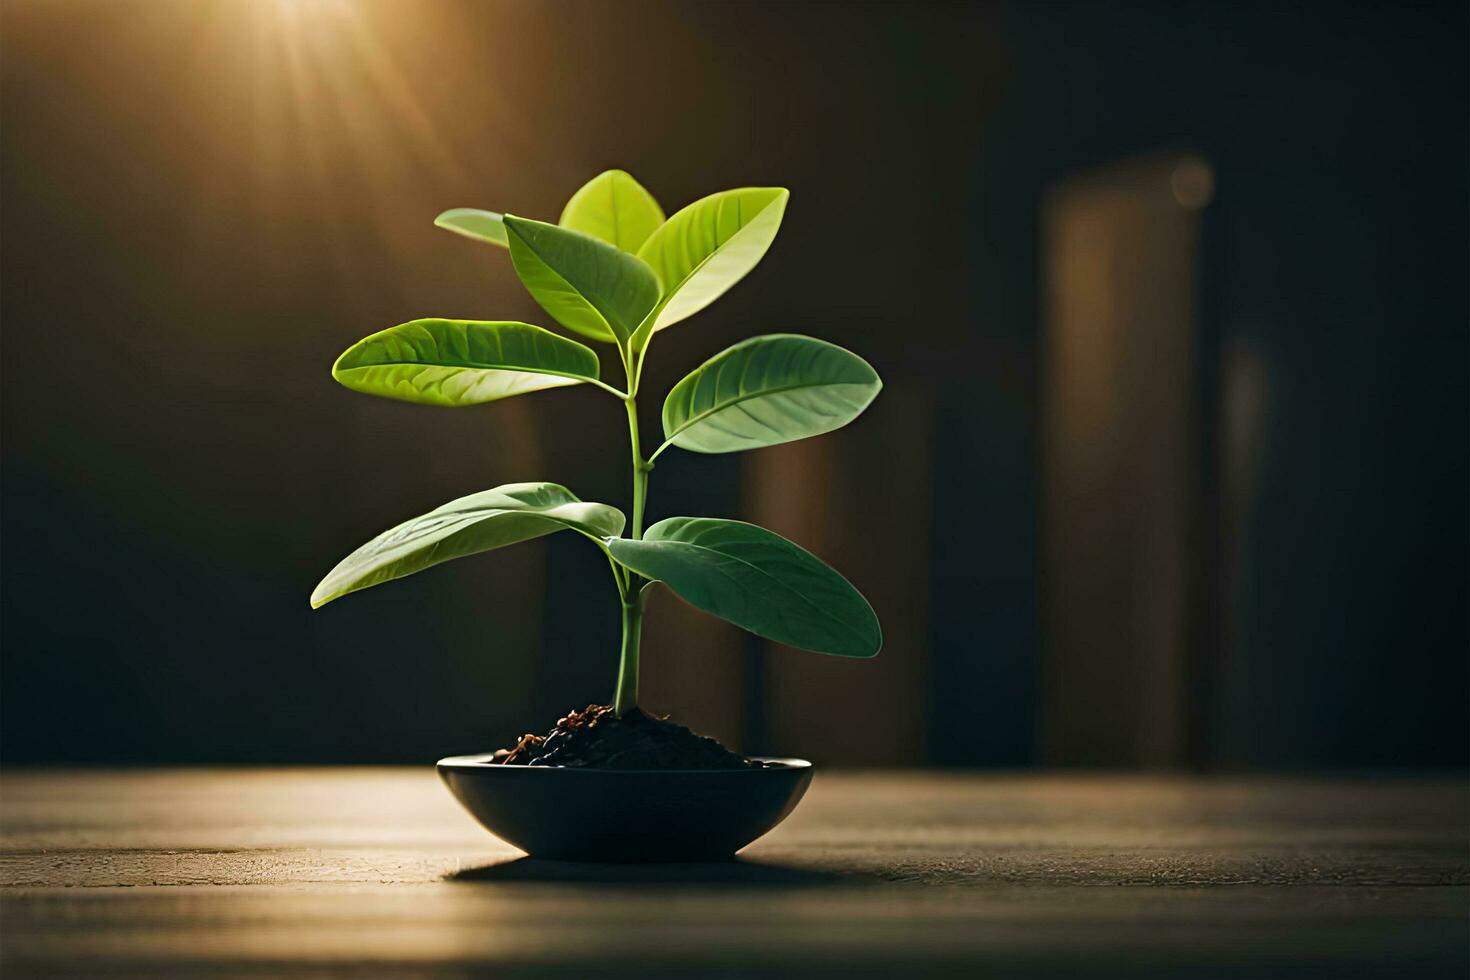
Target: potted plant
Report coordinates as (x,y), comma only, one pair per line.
(611,782)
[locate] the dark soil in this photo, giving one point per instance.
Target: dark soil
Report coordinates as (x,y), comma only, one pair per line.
(595,738)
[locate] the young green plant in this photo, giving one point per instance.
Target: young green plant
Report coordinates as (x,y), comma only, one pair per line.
(615,271)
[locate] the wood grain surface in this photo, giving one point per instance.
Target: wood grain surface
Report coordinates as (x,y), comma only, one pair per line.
(377,872)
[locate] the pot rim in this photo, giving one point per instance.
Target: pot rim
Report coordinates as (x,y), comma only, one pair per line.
(480,762)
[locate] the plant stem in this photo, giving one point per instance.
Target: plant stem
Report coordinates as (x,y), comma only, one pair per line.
(640,469)
(633,599)
(627,695)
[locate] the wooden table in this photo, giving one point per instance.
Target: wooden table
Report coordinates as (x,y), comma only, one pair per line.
(377,872)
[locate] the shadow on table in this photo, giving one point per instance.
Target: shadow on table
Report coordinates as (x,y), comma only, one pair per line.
(735,872)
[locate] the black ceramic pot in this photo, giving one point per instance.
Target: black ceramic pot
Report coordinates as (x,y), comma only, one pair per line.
(626,815)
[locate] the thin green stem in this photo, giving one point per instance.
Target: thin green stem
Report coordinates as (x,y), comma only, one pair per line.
(631,586)
(626,698)
(641,467)
(619,576)
(641,356)
(608,388)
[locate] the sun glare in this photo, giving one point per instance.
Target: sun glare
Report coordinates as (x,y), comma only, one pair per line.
(303,9)
(336,125)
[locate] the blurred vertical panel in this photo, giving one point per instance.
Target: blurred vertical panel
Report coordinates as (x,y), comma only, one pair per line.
(861,503)
(694,667)
(1123,442)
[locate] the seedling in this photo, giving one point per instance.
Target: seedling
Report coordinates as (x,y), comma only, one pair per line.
(614,271)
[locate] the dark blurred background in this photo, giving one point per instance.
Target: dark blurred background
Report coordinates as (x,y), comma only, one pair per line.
(1170,299)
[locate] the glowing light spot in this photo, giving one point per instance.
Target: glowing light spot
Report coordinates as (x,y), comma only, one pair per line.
(1193,183)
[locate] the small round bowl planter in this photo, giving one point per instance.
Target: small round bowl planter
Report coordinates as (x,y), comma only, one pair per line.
(619,815)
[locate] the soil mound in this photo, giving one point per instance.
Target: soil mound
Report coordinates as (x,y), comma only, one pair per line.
(596,738)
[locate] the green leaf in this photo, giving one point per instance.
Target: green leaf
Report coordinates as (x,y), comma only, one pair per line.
(757,580)
(586,284)
(765,391)
(463,362)
(615,208)
(480,522)
(708,247)
(482,226)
